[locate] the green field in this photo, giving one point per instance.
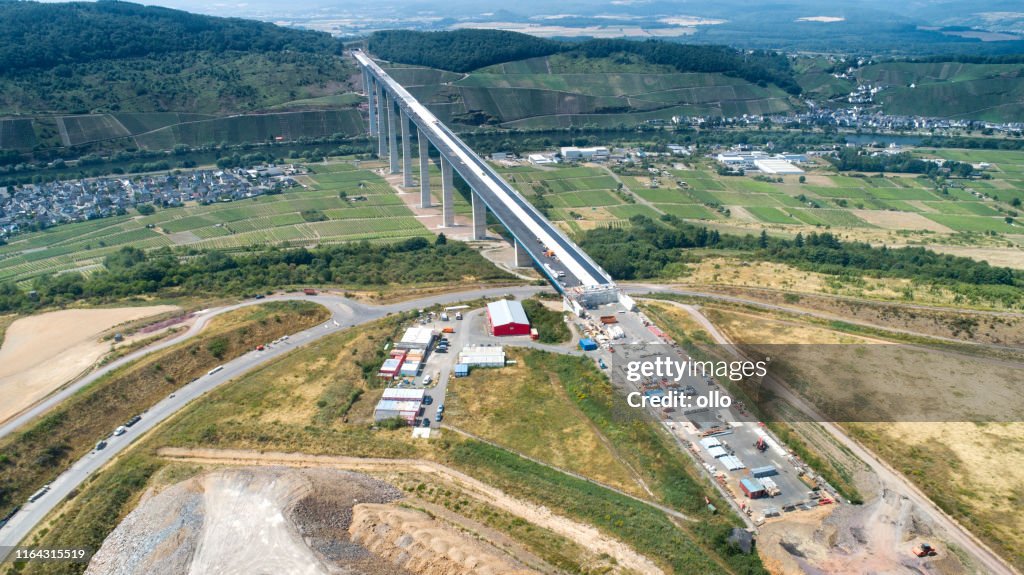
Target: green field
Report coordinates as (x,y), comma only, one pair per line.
(266,220)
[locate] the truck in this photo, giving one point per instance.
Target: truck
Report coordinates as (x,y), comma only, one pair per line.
(448,330)
(309,291)
(444,316)
(38,494)
(458,315)
(215,370)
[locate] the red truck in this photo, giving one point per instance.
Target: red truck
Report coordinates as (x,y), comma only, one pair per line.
(309,291)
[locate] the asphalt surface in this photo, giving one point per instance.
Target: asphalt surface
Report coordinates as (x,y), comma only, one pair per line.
(344,313)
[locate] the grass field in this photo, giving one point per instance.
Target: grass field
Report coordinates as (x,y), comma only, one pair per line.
(266,220)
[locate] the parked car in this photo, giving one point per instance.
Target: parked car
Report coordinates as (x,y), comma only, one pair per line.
(120,430)
(438,417)
(101,444)
(425,422)
(427,400)
(133,421)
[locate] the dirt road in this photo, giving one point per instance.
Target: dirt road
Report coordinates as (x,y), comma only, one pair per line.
(584,535)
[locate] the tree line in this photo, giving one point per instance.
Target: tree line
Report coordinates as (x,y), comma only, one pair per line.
(134,272)
(861,160)
(467,50)
(648,249)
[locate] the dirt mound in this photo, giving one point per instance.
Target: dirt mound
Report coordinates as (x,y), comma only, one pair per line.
(413,540)
(248,521)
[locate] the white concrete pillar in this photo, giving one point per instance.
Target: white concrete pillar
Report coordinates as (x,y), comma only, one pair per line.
(479,217)
(392,135)
(382,120)
(371,101)
(424,170)
(523,259)
(406,150)
(447,194)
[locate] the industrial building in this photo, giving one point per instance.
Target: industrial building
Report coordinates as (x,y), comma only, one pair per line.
(416,338)
(482,356)
(507,317)
(392,366)
(399,402)
(776,166)
(752,488)
(594,154)
(541,159)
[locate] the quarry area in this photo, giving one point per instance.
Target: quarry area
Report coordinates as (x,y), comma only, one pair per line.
(284,520)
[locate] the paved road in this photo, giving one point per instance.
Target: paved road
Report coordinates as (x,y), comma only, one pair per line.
(888,477)
(344,313)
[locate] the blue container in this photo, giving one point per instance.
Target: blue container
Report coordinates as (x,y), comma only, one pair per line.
(587,344)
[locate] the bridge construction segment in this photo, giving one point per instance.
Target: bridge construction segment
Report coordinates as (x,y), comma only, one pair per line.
(537,241)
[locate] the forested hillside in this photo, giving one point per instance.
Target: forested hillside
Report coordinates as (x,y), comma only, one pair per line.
(467,50)
(117,75)
(37,35)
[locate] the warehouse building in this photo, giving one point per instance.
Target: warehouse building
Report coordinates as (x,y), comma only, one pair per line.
(482,356)
(594,154)
(390,408)
(776,166)
(416,338)
(507,317)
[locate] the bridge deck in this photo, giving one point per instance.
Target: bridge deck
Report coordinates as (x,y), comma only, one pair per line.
(533,231)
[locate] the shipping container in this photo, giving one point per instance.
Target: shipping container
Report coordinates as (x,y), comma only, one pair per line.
(765,471)
(587,344)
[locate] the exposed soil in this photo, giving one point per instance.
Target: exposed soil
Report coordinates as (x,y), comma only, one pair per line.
(43,352)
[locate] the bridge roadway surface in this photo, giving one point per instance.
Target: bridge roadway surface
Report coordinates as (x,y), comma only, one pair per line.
(525,223)
(344,313)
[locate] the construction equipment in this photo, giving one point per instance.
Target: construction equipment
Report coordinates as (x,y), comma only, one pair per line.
(924,550)
(761,444)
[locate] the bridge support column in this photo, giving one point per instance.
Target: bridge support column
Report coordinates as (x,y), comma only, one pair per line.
(382,125)
(371,102)
(406,150)
(522,256)
(392,136)
(479,217)
(447,193)
(424,170)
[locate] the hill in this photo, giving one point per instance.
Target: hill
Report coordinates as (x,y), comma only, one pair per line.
(951,88)
(467,50)
(568,89)
(111,71)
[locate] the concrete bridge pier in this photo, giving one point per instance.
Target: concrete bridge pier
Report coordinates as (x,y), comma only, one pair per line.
(522,256)
(392,136)
(406,151)
(447,194)
(424,170)
(382,129)
(479,217)
(371,101)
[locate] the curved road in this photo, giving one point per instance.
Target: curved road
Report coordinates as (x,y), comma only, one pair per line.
(344,313)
